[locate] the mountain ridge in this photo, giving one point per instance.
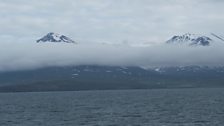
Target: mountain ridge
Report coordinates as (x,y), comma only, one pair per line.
(110,77)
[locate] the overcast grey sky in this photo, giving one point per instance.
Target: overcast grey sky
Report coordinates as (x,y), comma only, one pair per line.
(109,20)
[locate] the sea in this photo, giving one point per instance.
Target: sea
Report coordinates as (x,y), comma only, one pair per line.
(152,107)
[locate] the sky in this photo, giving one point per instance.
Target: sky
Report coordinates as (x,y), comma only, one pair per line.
(116,22)
(112,21)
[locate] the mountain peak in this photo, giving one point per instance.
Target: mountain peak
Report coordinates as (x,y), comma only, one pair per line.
(191,39)
(55,37)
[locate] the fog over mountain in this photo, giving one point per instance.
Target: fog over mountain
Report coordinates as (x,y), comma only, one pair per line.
(31,55)
(114,32)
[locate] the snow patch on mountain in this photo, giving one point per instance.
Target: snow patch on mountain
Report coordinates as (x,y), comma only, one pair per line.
(218,37)
(55,37)
(190,39)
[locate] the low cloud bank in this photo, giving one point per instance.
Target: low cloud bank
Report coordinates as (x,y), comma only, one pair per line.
(19,56)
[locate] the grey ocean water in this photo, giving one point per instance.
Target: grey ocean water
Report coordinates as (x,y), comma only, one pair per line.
(160,107)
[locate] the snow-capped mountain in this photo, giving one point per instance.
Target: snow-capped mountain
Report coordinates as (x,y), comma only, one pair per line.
(55,37)
(190,39)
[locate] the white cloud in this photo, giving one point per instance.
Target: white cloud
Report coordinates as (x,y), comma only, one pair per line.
(15,56)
